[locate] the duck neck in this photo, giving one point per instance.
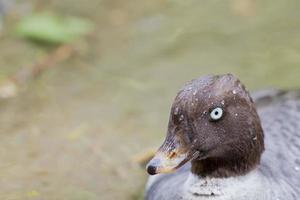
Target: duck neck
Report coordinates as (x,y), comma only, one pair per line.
(234,162)
(223,168)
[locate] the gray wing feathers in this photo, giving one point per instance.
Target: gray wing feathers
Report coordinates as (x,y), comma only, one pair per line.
(280,116)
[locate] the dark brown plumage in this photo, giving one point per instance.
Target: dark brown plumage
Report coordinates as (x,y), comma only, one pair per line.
(223,150)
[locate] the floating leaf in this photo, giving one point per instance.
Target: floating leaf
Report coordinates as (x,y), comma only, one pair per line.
(50,28)
(33,193)
(77,133)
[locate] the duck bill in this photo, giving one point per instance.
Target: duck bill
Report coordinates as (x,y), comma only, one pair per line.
(170,156)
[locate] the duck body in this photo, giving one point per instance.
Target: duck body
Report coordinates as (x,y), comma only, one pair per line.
(187,186)
(275,177)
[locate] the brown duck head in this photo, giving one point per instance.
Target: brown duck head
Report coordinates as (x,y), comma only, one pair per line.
(214,124)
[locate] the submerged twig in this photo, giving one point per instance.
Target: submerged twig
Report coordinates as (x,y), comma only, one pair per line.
(9,88)
(143,158)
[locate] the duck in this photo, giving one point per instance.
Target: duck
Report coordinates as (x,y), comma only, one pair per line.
(223,143)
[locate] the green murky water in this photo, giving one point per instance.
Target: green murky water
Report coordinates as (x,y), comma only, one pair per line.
(72,133)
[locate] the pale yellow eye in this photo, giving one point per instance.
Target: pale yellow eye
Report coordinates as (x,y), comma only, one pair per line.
(216,113)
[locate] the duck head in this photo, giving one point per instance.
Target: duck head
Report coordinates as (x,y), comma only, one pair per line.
(214,124)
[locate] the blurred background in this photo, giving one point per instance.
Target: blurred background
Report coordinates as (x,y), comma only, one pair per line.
(86,86)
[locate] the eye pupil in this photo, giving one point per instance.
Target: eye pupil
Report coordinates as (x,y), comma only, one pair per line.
(216,113)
